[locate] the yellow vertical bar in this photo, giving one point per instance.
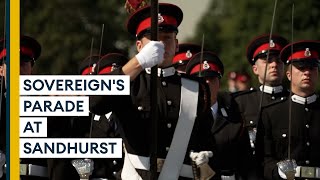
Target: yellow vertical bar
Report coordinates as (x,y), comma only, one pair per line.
(14,91)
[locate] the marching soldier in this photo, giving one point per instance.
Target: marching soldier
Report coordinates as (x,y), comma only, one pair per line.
(249,101)
(183,56)
(176,136)
(30,50)
(79,127)
(232,82)
(274,130)
(3,109)
(69,127)
(243,81)
(107,126)
(231,140)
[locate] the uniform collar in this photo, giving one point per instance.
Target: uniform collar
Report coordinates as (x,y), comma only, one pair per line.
(164,72)
(304,100)
(271,90)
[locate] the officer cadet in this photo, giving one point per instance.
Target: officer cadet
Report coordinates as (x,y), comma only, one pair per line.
(30,51)
(107,126)
(231,149)
(249,101)
(70,127)
(3,109)
(232,82)
(134,111)
(242,81)
(274,131)
(182,57)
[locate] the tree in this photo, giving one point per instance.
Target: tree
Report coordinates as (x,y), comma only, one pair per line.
(65,30)
(229,26)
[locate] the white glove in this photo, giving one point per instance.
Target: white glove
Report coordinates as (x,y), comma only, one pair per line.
(151,54)
(201,157)
(2,162)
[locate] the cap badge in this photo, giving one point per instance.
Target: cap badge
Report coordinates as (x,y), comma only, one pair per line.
(93,67)
(188,54)
(307,53)
(271,43)
(114,66)
(160,19)
(206,65)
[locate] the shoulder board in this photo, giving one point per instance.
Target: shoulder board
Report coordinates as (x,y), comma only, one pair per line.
(240,93)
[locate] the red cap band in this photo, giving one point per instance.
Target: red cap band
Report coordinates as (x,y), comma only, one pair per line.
(105,70)
(26,51)
(23,50)
(302,55)
(242,78)
(87,71)
(265,47)
(212,67)
(167,20)
(3,53)
(181,56)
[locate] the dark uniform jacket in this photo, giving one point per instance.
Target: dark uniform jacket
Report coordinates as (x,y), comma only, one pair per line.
(134,114)
(3,127)
(79,127)
(3,124)
(231,141)
(273,133)
(249,101)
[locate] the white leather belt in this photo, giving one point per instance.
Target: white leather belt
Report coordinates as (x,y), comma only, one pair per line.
(307,172)
(33,170)
(142,162)
(185,171)
(233,177)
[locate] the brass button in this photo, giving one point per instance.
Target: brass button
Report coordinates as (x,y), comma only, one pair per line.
(307,162)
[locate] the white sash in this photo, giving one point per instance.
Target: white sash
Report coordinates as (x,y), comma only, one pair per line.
(188,111)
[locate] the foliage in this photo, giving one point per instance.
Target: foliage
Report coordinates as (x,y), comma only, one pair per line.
(229,26)
(65,30)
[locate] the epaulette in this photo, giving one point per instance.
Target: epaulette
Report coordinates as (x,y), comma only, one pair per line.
(281,100)
(240,93)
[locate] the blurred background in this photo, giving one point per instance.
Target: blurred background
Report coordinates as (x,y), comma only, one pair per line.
(65,28)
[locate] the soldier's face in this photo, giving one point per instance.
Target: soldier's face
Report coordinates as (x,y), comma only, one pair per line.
(170,43)
(3,70)
(274,73)
(25,68)
(241,86)
(303,80)
(214,85)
